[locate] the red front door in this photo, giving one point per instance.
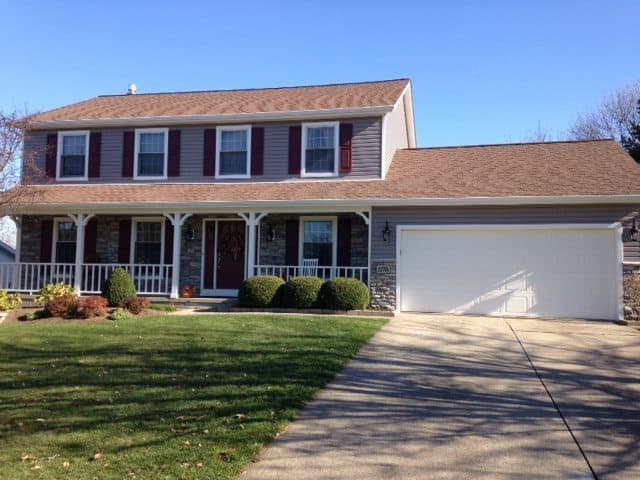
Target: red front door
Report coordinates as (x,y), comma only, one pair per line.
(230,255)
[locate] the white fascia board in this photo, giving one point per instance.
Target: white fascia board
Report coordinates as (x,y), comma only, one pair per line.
(300,115)
(316,205)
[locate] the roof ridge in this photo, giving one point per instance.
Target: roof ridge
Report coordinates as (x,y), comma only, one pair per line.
(508,144)
(282,87)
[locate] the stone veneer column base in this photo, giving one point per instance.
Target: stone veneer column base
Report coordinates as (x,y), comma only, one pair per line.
(383,285)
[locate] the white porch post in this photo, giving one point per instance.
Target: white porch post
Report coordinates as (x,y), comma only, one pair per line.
(177,220)
(81,220)
(15,281)
(252,222)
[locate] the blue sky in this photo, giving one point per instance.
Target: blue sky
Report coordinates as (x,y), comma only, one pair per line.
(483,71)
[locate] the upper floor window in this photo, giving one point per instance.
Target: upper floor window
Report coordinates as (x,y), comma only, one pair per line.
(151,153)
(320,149)
(233,145)
(73,152)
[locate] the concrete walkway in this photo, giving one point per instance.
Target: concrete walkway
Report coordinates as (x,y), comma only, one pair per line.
(439,397)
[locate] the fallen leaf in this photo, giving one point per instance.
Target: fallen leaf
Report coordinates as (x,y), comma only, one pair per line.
(25,456)
(199,464)
(240,416)
(99,455)
(66,464)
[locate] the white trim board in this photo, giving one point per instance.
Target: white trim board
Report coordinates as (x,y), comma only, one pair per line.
(275,206)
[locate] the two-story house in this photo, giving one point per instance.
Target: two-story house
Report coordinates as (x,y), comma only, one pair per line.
(204,189)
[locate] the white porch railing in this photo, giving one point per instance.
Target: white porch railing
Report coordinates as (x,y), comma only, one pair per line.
(287,272)
(148,279)
(31,277)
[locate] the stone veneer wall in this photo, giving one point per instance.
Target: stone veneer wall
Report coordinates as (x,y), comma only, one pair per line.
(191,254)
(631,311)
(274,252)
(383,285)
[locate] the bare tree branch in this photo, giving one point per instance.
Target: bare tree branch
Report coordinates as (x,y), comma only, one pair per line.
(17,164)
(613,118)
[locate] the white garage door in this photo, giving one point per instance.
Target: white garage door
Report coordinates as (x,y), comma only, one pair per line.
(557,271)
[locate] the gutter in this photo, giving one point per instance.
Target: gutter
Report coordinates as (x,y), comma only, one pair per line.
(299,115)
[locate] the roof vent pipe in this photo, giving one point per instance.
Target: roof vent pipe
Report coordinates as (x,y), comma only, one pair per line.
(132,90)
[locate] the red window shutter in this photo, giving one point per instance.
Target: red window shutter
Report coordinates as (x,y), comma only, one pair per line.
(128,141)
(209,154)
(90,241)
(257,151)
(344,242)
(174,153)
(209,239)
(168,243)
(295,147)
(51,155)
(46,240)
(291,242)
(124,242)
(95,151)
(346,134)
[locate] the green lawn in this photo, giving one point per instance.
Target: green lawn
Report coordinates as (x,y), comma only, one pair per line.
(190,397)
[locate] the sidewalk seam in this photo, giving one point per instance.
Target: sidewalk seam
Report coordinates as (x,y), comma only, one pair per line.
(555,405)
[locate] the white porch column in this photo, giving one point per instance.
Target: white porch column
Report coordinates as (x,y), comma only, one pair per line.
(15,274)
(177,220)
(81,220)
(252,220)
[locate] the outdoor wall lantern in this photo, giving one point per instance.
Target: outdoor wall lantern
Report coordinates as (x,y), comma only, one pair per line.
(386,233)
(271,233)
(633,231)
(190,234)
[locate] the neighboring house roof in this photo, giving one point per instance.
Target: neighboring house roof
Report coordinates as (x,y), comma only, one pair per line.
(348,96)
(593,170)
(7,249)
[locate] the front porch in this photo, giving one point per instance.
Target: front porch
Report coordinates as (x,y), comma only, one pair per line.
(166,252)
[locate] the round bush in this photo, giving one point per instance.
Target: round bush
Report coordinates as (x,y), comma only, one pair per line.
(344,294)
(301,292)
(119,287)
(260,292)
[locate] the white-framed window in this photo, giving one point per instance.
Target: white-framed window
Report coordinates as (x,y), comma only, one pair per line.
(147,241)
(64,240)
(150,160)
(73,155)
(320,149)
(319,239)
(233,151)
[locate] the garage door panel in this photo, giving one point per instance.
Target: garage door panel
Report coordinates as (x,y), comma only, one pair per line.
(550,272)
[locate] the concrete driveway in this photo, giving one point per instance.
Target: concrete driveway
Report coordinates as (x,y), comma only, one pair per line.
(439,397)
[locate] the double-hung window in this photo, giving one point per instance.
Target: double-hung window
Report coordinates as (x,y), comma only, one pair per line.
(65,241)
(148,245)
(320,149)
(233,147)
(151,153)
(318,238)
(73,153)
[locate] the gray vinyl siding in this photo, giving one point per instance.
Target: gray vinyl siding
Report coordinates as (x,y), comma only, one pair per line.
(366,153)
(386,251)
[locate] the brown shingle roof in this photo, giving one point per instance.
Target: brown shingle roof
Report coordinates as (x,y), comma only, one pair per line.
(521,170)
(230,102)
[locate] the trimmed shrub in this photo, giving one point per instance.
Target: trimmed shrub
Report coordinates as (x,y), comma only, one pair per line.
(119,287)
(9,301)
(93,307)
(53,290)
(260,291)
(344,294)
(65,306)
(136,305)
(301,292)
